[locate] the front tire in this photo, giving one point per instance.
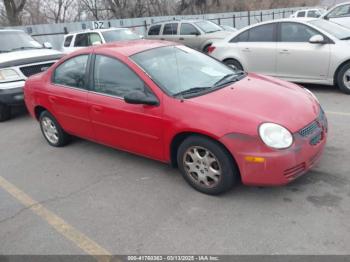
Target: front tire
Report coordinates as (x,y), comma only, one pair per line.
(343,78)
(5,112)
(206,165)
(52,131)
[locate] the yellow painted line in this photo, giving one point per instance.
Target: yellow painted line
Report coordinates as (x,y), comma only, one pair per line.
(82,241)
(338,113)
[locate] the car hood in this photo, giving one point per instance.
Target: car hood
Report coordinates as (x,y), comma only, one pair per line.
(28,57)
(257,99)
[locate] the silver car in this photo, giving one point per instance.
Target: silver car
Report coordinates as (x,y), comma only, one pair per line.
(305,51)
(339,14)
(197,34)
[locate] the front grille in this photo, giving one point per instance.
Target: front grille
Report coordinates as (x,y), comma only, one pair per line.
(295,171)
(35,69)
(308,130)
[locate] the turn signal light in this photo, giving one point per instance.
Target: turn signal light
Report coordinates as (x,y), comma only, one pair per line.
(254,159)
(211,49)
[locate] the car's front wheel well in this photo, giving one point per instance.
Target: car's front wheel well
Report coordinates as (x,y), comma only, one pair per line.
(179,138)
(337,71)
(38,111)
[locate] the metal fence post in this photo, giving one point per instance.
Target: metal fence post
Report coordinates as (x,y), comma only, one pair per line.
(273,15)
(284,13)
(234,21)
(248,17)
(219,21)
(261,16)
(145,24)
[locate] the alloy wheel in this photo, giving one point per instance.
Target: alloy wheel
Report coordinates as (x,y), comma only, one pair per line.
(202,166)
(50,130)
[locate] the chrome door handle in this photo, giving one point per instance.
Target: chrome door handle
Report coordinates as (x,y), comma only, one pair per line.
(284,51)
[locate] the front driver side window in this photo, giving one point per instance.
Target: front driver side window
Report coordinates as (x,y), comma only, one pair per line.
(113,77)
(71,72)
(294,32)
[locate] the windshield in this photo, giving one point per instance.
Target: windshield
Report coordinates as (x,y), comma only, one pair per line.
(334,29)
(208,27)
(16,40)
(177,69)
(119,35)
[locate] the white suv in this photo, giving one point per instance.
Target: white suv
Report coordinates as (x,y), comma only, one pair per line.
(86,38)
(20,57)
(339,14)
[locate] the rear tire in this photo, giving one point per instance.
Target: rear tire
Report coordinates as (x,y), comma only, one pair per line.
(206,165)
(52,131)
(343,78)
(234,64)
(5,112)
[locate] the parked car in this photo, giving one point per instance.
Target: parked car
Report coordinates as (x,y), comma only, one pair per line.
(339,14)
(313,13)
(228,28)
(74,41)
(171,103)
(197,34)
(20,57)
(305,51)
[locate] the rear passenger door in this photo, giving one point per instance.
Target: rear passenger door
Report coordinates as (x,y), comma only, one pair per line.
(170,32)
(257,47)
(67,96)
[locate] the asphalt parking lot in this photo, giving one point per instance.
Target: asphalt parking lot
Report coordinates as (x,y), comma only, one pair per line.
(54,201)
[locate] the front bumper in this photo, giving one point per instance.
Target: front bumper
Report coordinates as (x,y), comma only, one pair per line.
(12,93)
(276,167)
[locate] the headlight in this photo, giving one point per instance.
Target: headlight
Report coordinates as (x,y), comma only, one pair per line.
(312,94)
(9,75)
(275,136)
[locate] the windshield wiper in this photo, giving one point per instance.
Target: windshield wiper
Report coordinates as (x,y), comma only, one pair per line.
(192,90)
(25,47)
(345,38)
(4,51)
(230,78)
(213,31)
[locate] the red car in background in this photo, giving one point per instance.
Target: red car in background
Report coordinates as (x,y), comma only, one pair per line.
(171,103)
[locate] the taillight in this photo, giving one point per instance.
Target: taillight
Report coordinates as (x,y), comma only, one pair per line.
(211,49)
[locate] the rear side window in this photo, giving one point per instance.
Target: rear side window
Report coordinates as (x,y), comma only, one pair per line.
(67,41)
(170,29)
(301,14)
(71,72)
(263,33)
(81,40)
(112,77)
(154,30)
(313,13)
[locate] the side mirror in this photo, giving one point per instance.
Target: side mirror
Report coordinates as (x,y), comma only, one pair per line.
(326,17)
(47,45)
(317,39)
(140,98)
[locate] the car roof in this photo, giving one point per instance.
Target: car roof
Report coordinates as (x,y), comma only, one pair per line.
(179,21)
(95,30)
(129,48)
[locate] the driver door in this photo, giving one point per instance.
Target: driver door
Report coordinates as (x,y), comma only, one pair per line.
(297,59)
(133,128)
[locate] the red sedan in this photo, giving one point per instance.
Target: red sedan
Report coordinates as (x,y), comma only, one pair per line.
(176,105)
